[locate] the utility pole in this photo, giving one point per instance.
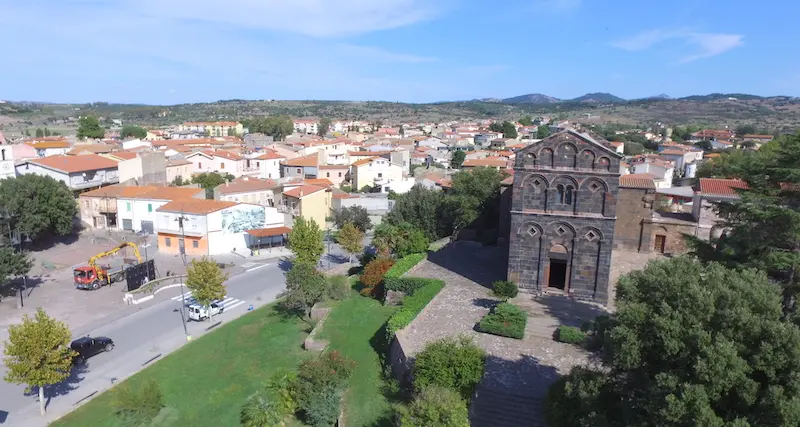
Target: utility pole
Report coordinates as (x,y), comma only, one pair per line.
(182,250)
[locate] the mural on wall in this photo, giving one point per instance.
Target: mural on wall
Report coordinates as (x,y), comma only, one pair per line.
(243,218)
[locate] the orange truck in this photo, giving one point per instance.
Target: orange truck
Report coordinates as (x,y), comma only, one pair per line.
(95,275)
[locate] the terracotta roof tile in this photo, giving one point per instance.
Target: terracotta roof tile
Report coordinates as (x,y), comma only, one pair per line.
(112,191)
(195,206)
(319,182)
(637,180)
(721,187)
(152,192)
(493,162)
(73,164)
(268,232)
(362,162)
(302,191)
(246,185)
(307,161)
(333,166)
(179,162)
(270,155)
(91,148)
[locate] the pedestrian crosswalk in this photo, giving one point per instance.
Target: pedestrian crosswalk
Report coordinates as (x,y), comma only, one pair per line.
(227,303)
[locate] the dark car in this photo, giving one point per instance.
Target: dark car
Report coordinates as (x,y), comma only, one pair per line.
(87,347)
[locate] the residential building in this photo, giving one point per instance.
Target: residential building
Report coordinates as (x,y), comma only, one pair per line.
(50,146)
(484,139)
(721,144)
(757,139)
(374,171)
(20,152)
(709,191)
(144,168)
(247,190)
(308,201)
(137,205)
(213,128)
(211,227)
(179,168)
(137,143)
(712,134)
(662,170)
(498,163)
(681,157)
(306,126)
(434,143)
(619,147)
(562,216)
(98,148)
(337,174)
(500,143)
(301,167)
(269,164)
(77,172)
(223,162)
(98,208)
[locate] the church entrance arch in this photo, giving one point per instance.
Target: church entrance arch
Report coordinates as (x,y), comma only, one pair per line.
(557,273)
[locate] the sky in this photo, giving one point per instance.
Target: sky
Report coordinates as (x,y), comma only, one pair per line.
(179,51)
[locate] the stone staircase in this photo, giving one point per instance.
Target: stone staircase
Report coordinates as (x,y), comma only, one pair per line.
(493,408)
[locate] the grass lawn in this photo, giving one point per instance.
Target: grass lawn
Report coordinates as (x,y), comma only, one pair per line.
(208,380)
(349,329)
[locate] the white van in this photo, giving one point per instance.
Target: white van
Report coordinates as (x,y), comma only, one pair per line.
(197,312)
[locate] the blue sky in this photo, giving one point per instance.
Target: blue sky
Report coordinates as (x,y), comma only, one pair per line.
(175,51)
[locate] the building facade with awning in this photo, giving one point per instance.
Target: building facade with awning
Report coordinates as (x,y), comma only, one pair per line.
(268,238)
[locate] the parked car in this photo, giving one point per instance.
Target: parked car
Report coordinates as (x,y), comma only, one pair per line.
(198,312)
(87,347)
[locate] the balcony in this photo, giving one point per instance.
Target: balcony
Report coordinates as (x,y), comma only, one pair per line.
(293,210)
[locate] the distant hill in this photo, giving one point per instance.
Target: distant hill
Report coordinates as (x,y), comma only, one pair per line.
(531,98)
(721,96)
(598,97)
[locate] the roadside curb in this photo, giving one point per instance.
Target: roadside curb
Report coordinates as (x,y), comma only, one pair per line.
(128,298)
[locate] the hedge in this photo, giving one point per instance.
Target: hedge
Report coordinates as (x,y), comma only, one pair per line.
(412,306)
(570,335)
(505,320)
(402,265)
(406,285)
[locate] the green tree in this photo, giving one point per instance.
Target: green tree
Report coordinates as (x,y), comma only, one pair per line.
(356,215)
(475,196)
(178,181)
(211,180)
(351,239)
(542,131)
(305,240)
(690,344)
(496,127)
(89,127)
(526,121)
(434,407)
(456,363)
(509,130)
(279,127)
(37,353)
(305,286)
(38,205)
(633,148)
(232,132)
(39,132)
(426,209)
(206,281)
(747,129)
(13,263)
(133,131)
(401,240)
(324,126)
(137,404)
(762,228)
(27,132)
(47,132)
(458,159)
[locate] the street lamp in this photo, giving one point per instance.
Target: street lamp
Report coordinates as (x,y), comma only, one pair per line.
(182,250)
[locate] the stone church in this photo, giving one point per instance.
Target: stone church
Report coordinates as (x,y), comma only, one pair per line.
(563,212)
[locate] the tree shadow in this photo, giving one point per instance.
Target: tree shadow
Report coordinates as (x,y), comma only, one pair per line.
(13,288)
(569,311)
(511,392)
(63,388)
(485,303)
(472,260)
(285,264)
(3,416)
(337,258)
(49,241)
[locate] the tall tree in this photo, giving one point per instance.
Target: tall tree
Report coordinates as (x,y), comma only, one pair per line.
(401,240)
(206,281)
(279,127)
(39,132)
(89,127)
(526,121)
(633,148)
(133,131)
(38,205)
(305,240)
(475,196)
(13,263)
(356,215)
(37,353)
(425,209)
(351,239)
(496,127)
(509,130)
(762,228)
(689,345)
(458,159)
(47,132)
(542,131)
(211,180)
(324,126)
(305,286)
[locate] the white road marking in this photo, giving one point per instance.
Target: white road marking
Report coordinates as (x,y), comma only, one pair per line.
(256,268)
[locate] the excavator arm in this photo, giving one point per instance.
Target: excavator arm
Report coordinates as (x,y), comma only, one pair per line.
(99,271)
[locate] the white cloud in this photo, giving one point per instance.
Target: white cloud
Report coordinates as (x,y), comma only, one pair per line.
(707,44)
(370,53)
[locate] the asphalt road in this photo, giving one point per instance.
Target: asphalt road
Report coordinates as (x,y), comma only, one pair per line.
(140,339)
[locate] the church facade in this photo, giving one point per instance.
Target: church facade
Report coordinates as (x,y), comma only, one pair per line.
(563,213)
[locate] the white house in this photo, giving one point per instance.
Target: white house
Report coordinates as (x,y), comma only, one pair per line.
(136,143)
(374,171)
(662,171)
(248,190)
(77,172)
(223,162)
(50,147)
(212,227)
(269,164)
(306,126)
(136,206)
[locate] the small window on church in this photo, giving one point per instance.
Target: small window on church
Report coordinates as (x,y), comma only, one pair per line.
(560,193)
(532,231)
(568,195)
(594,186)
(591,235)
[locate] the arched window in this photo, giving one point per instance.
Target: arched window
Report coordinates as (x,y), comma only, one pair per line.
(568,195)
(560,193)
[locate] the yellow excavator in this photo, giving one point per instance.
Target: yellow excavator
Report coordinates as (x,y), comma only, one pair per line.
(94,275)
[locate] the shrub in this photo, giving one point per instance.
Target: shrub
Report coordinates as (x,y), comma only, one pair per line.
(319,387)
(570,335)
(505,320)
(406,285)
(138,405)
(338,287)
(367,257)
(372,278)
(434,407)
(412,306)
(456,363)
(505,289)
(402,265)
(261,410)
(596,332)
